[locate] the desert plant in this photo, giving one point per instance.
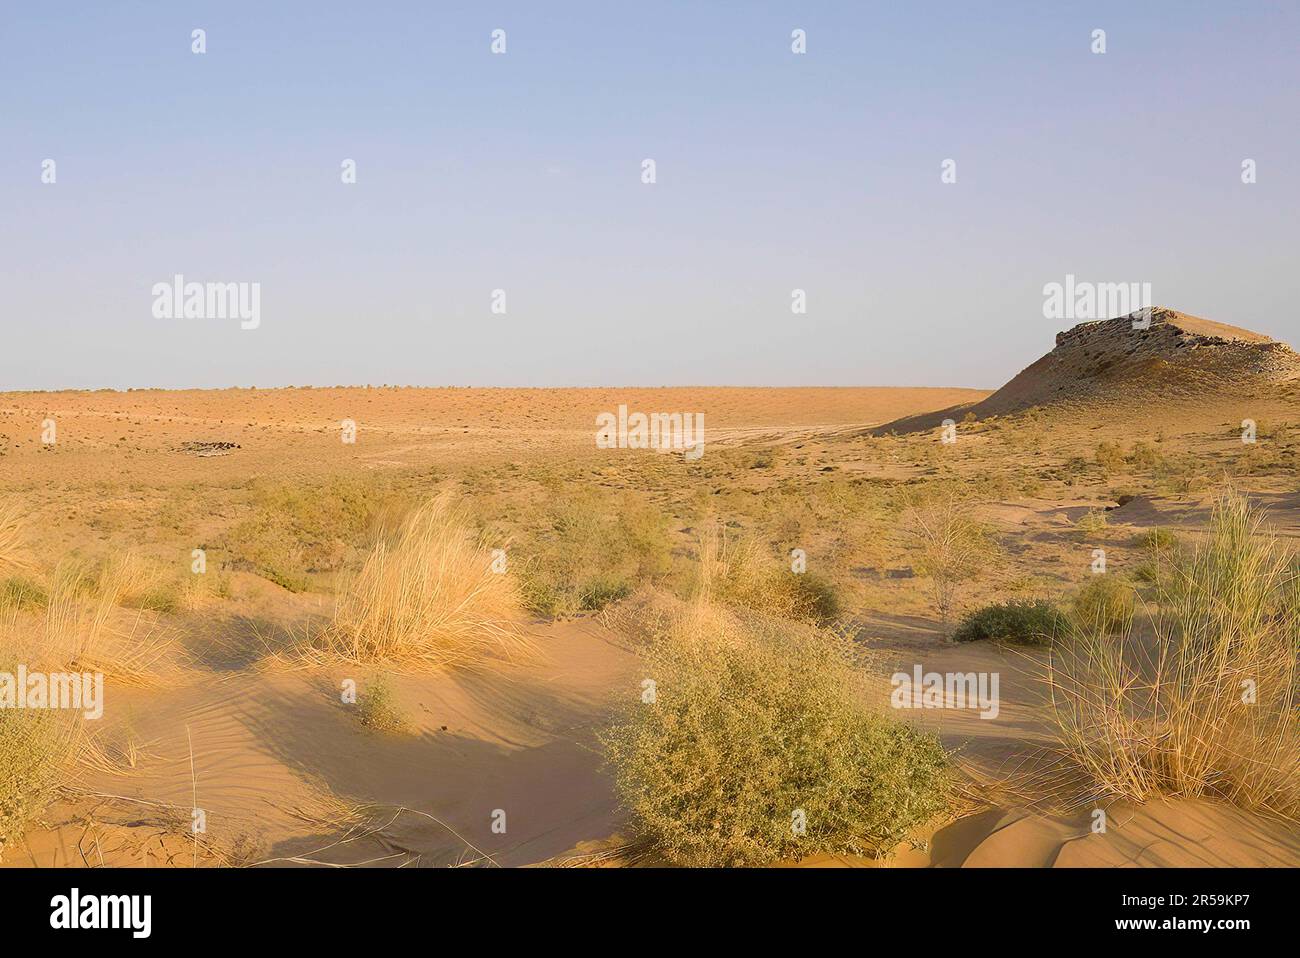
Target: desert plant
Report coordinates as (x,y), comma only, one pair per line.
(1091,525)
(83,627)
(591,550)
(1105,602)
(950,544)
(1157,540)
(14,553)
(426,594)
(22,593)
(1036,622)
(1110,456)
(737,571)
(756,746)
(1209,708)
(34,747)
(377,707)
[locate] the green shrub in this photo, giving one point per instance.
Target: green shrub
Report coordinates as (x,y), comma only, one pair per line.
(1035,622)
(377,708)
(295,530)
(21,593)
(1157,540)
(740,573)
(758,721)
(591,550)
(1091,525)
(1105,603)
(34,746)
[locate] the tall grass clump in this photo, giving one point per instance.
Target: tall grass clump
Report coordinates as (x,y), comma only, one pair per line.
(84,627)
(14,555)
(426,595)
(758,726)
(1209,708)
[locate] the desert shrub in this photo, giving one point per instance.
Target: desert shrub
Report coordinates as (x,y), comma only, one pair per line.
(1209,708)
(591,550)
(950,544)
(738,572)
(754,721)
(1036,622)
(426,594)
(1091,525)
(1105,602)
(1110,456)
(1157,539)
(1145,457)
(297,530)
(377,707)
(34,747)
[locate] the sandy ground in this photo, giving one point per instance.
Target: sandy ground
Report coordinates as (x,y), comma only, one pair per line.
(285,775)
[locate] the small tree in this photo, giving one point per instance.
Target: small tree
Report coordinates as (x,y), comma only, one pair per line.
(949,543)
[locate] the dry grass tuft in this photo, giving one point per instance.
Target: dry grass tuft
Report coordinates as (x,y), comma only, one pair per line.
(14,554)
(1209,708)
(83,628)
(426,595)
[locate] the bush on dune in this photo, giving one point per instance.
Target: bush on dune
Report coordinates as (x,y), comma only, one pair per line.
(426,594)
(35,745)
(1208,709)
(758,724)
(1105,603)
(740,573)
(1035,622)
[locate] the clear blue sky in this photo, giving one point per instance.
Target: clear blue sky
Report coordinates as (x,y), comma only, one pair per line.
(522,172)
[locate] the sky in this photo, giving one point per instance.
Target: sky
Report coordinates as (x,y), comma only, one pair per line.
(522,171)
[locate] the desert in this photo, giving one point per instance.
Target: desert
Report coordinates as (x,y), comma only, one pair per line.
(434,638)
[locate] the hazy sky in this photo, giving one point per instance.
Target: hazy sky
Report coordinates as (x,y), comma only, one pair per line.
(522,172)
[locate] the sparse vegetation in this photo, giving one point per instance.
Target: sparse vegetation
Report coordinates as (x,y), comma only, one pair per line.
(294,532)
(759,725)
(1105,602)
(1157,540)
(1208,709)
(21,593)
(1091,525)
(591,551)
(35,745)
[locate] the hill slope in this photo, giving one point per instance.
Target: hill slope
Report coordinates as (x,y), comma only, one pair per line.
(1115,363)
